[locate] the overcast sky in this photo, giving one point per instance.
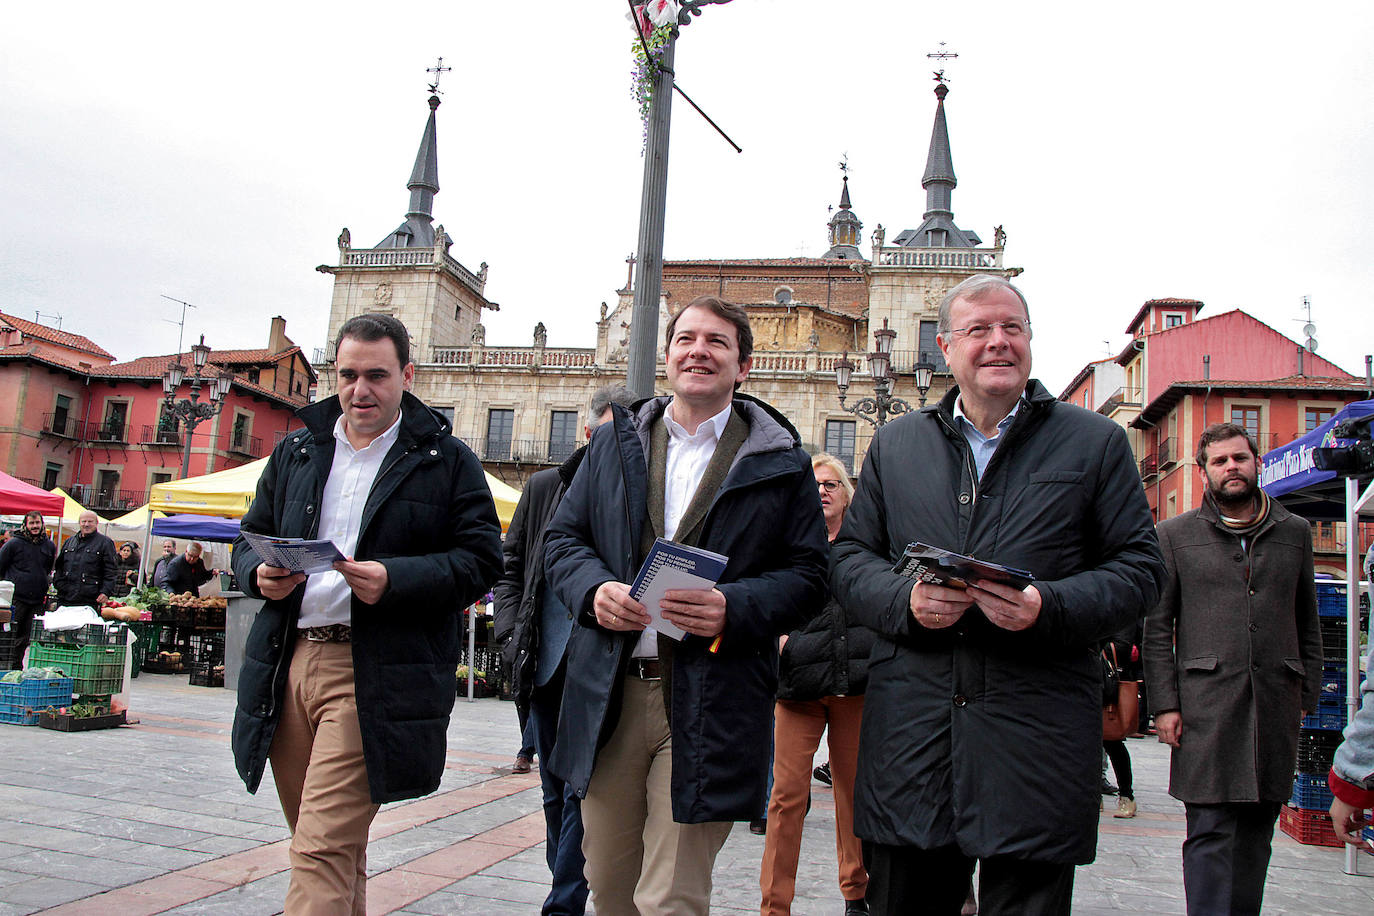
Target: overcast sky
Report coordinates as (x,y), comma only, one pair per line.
(1219,151)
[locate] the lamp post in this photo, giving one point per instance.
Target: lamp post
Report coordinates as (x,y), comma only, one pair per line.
(190,412)
(877,409)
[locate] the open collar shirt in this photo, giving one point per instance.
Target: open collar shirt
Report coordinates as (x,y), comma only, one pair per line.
(328,599)
(983,446)
(688,456)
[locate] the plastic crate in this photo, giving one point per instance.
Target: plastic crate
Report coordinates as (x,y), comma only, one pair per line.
(1315,750)
(1312,828)
(1311,791)
(207,674)
(9,655)
(21,703)
(1326,721)
(92,634)
(149,635)
(97,670)
(1331,599)
(211,617)
(206,647)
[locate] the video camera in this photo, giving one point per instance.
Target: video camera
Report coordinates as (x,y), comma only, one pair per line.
(1355,460)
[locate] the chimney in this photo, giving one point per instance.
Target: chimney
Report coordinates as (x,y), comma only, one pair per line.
(276,338)
(1300,352)
(1206,366)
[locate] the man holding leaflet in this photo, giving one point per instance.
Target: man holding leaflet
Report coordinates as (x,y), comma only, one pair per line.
(982,727)
(666,741)
(347,679)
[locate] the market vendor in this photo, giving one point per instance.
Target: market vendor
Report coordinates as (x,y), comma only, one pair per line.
(25,559)
(187,573)
(86,565)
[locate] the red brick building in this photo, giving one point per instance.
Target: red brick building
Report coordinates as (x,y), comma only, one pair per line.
(75,418)
(1180,374)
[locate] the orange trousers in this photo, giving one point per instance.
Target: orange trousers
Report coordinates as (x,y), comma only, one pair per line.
(797,732)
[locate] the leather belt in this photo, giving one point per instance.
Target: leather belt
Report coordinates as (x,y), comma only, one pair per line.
(646,669)
(334,632)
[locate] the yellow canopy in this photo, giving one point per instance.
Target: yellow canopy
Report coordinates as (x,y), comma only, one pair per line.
(226,493)
(70,508)
(230,493)
(135,518)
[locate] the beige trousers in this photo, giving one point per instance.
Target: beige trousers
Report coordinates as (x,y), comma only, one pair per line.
(317,763)
(639,861)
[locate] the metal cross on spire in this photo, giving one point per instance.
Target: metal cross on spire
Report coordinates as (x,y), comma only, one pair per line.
(438,70)
(942,54)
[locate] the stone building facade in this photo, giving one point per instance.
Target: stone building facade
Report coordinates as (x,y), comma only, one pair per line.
(522,408)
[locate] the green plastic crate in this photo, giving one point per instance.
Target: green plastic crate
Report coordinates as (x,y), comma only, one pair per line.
(96,670)
(149,635)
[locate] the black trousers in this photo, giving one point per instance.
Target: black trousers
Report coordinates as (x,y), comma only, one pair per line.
(1226,857)
(1121,766)
(906,881)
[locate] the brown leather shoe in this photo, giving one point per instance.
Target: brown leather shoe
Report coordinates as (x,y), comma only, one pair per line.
(521,765)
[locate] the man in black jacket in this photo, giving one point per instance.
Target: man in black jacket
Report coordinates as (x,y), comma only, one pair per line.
(86,565)
(982,733)
(348,674)
(667,741)
(26,560)
(533,626)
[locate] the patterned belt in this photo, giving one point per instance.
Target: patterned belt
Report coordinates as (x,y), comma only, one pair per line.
(646,669)
(334,632)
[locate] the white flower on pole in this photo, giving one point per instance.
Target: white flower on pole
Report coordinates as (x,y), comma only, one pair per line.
(661,12)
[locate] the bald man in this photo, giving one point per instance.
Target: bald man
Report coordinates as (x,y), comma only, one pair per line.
(86,565)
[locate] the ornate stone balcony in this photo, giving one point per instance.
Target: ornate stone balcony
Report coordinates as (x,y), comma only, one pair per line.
(940,258)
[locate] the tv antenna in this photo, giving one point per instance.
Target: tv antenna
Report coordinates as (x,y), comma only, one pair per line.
(1309,329)
(181,325)
(39,316)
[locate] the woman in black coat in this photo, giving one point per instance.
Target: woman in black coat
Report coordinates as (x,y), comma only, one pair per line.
(823,668)
(126,569)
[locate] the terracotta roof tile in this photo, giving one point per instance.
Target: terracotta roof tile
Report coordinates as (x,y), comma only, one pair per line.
(53,335)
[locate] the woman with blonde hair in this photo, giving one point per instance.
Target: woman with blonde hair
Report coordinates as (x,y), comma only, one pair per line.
(823,670)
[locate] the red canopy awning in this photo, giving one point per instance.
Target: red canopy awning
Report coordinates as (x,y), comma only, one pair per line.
(17,497)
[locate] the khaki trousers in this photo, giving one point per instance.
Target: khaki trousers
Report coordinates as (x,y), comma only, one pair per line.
(796,735)
(317,763)
(639,861)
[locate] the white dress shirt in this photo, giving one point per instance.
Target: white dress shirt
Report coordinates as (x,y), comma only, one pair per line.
(328,599)
(688,456)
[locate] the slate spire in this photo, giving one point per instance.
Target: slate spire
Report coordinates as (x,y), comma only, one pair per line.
(418,230)
(939,180)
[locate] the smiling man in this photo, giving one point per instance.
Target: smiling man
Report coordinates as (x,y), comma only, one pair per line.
(1233,657)
(347,679)
(982,729)
(86,565)
(667,742)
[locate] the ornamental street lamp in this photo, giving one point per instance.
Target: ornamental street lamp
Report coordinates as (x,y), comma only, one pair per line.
(877,409)
(190,412)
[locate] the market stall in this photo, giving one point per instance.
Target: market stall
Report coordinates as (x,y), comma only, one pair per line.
(1290,475)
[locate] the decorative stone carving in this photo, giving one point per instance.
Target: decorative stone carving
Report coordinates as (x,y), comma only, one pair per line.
(999,238)
(345,239)
(479,335)
(382,297)
(541,335)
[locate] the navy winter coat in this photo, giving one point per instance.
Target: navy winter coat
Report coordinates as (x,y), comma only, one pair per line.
(430,520)
(975,735)
(767,519)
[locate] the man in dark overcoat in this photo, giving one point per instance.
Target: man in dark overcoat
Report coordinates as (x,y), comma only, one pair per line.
(348,676)
(667,741)
(533,627)
(1233,658)
(26,559)
(982,727)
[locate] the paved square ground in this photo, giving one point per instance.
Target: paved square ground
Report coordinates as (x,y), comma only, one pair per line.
(151,818)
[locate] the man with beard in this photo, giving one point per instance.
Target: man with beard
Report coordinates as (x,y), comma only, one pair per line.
(26,560)
(1233,657)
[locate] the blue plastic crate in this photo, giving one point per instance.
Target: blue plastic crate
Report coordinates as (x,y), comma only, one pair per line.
(1311,791)
(21,703)
(1325,720)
